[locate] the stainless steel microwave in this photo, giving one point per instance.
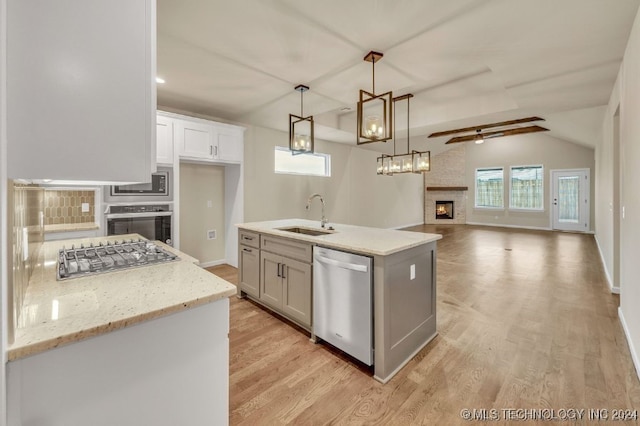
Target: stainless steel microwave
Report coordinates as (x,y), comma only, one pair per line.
(159,185)
(157,189)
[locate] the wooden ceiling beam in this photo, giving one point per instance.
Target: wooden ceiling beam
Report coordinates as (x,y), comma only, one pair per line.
(485,126)
(498,133)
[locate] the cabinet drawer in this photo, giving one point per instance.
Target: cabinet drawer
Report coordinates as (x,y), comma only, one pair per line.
(249,238)
(286,247)
(250,270)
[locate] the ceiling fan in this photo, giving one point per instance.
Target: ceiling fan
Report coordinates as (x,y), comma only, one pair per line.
(480,136)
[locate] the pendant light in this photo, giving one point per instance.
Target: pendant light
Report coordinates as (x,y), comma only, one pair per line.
(301,140)
(410,162)
(374,111)
(479,138)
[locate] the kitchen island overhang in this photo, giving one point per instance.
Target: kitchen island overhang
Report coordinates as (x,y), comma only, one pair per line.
(138,346)
(404,283)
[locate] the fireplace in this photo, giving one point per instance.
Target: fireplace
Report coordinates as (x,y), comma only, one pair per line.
(444,209)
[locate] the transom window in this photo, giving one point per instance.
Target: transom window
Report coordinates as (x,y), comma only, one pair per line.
(315,164)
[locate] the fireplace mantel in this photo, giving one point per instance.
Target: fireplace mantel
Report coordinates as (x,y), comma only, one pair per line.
(447,188)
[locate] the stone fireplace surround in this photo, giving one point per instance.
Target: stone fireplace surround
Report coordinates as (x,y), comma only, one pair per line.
(445,182)
(459,198)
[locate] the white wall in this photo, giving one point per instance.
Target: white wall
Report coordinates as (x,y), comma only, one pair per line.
(523,150)
(354,194)
(604,180)
(199,185)
(627,95)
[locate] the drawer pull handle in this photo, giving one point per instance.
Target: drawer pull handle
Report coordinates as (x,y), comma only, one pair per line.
(247,250)
(278,273)
(244,237)
(282,273)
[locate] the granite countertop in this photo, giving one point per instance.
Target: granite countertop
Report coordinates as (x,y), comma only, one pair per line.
(56,313)
(71,227)
(361,239)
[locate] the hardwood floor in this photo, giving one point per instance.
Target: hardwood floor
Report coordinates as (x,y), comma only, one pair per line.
(525,321)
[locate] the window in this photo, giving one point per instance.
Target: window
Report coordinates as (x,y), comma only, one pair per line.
(315,164)
(490,188)
(526,188)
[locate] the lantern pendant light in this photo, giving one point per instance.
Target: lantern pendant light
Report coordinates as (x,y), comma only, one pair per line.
(412,161)
(374,111)
(301,138)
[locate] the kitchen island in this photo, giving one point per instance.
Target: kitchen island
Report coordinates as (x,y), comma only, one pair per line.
(404,280)
(146,345)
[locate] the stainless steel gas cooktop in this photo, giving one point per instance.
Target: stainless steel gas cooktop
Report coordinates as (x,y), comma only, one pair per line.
(109,257)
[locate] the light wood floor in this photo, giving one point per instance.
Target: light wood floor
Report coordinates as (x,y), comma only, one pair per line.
(525,320)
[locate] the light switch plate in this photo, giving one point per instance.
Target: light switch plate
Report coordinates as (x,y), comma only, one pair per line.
(412,272)
(85,207)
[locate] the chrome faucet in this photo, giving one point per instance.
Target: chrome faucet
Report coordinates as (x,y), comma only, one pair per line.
(311,197)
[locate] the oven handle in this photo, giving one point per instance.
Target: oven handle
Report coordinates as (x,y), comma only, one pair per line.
(134,215)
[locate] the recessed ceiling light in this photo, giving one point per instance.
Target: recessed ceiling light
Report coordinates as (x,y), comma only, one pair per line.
(159,80)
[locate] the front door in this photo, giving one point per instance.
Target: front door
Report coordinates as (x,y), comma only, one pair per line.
(570,204)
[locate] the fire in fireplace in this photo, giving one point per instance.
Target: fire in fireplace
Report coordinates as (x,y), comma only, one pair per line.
(444,209)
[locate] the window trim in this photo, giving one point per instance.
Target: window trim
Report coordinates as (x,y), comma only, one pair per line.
(327,163)
(525,209)
(475,183)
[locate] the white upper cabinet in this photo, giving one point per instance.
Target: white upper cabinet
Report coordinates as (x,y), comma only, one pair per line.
(81,95)
(230,144)
(195,140)
(205,140)
(164,139)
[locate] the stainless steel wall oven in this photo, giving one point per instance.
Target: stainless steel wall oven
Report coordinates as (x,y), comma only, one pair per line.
(152,221)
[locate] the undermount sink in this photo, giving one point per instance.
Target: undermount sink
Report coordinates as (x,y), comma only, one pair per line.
(306,231)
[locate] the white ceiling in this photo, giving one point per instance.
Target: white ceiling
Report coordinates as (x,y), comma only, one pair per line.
(467,62)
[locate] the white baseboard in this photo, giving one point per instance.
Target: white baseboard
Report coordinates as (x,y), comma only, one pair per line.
(612,288)
(500,225)
(632,349)
(407,226)
(213,263)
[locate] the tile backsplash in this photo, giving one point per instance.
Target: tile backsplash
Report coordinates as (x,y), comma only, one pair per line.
(26,236)
(65,206)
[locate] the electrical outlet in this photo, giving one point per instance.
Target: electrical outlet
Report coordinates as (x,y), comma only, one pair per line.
(85,207)
(211,235)
(412,272)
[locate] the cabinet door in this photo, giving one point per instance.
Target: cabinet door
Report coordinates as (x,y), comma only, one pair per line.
(82,98)
(164,140)
(195,140)
(250,270)
(270,279)
(229,146)
(296,290)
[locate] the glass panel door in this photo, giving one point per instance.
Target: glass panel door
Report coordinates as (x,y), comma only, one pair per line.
(570,203)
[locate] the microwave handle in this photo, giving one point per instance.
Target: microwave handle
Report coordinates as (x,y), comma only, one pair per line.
(131,215)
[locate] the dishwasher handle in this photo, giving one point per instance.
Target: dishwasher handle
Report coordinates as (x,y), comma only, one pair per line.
(344,265)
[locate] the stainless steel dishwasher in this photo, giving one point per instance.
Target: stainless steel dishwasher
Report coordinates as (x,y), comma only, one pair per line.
(342,301)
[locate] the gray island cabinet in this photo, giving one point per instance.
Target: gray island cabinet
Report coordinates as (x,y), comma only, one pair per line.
(276,265)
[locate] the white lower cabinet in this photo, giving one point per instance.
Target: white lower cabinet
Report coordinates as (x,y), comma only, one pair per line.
(173,370)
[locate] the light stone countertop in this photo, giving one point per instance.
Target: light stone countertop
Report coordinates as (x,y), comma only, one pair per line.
(70,227)
(56,313)
(361,239)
